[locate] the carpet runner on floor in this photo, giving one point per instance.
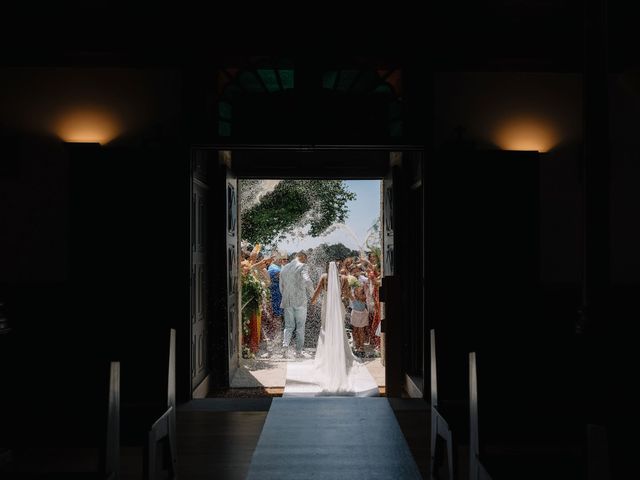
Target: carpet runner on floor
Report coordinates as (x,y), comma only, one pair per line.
(332,438)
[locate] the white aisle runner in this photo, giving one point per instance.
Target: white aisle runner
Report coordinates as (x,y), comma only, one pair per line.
(332,438)
(299,381)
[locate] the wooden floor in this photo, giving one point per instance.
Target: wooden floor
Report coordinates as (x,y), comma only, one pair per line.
(218,441)
(211,444)
(220,444)
(217,444)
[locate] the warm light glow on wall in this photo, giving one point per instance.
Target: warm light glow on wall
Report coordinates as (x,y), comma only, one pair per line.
(526,133)
(88,124)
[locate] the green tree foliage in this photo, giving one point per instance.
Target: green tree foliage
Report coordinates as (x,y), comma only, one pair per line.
(294,204)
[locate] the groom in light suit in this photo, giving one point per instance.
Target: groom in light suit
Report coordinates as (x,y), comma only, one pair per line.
(296,287)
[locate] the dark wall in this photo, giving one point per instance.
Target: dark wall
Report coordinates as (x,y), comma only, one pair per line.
(34,201)
(525,111)
(93,260)
(131,218)
(616,340)
(94,245)
(625,173)
(484,294)
(506,256)
(91,104)
(117,281)
(482,231)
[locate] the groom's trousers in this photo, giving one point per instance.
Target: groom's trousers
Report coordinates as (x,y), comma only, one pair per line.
(294,319)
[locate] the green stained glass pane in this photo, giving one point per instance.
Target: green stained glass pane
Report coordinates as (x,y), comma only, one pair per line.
(224,128)
(250,82)
(367,81)
(224,110)
(329,80)
(383,88)
(346,80)
(269,79)
(395,128)
(286,76)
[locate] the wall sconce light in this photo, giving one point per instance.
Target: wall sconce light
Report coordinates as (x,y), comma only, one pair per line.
(526,133)
(87,125)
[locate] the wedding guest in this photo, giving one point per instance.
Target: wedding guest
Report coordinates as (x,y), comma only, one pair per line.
(296,287)
(359,319)
(274,329)
(254,266)
(373,274)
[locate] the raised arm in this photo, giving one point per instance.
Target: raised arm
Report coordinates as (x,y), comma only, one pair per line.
(319,288)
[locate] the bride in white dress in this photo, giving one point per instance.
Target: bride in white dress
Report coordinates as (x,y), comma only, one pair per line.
(334,363)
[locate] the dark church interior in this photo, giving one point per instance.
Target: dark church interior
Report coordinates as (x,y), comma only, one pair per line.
(506,132)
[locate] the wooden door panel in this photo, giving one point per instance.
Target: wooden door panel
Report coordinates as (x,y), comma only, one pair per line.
(199,277)
(231,222)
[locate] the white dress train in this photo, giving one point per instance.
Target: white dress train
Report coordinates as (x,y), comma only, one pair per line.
(334,362)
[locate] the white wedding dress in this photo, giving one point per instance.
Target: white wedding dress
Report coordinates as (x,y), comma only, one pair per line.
(334,363)
(335,370)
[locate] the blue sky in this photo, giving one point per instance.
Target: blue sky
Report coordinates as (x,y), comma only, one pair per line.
(363,212)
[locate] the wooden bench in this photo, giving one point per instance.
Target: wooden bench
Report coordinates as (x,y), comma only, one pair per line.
(149,413)
(161,448)
(439,426)
(477,470)
(560,453)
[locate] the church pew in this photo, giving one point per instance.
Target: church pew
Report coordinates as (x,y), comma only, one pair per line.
(64,442)
(477,470)
(561,456)
(111,462)
(149,414)
(439,426)
(161,447)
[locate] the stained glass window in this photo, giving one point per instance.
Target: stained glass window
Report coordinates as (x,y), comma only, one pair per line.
(364,82)
(264,85)
(254,78)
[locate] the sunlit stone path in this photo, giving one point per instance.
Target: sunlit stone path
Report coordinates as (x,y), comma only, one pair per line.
(332,438)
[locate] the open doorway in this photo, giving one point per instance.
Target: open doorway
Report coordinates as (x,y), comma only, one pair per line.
(214,327)
(337,220)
